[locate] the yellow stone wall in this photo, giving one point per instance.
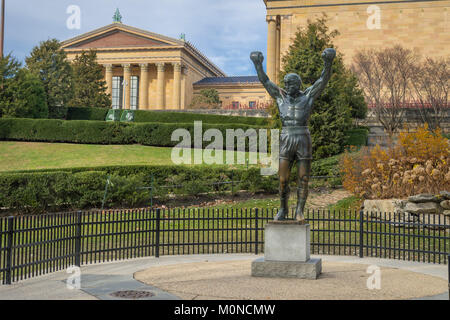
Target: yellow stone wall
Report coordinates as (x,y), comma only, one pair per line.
(421,25)
(244,93)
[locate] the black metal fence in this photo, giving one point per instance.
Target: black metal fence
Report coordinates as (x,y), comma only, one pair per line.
(36,245)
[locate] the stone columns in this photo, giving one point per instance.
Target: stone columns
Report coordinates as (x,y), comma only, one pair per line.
(108,78)
(176,85)
(277,52)
(271,47)
(184,72)
(160,86)
(126,85)
(143,87)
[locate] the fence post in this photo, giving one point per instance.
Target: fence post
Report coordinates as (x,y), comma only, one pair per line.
(256,234)
(448,265)
(158,219)
(9,245)
(361,236)
(78,240)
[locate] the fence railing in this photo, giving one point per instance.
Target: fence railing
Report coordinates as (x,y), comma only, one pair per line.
(36,245)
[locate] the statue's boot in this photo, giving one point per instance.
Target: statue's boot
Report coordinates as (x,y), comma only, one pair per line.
(301,202)
(284,207)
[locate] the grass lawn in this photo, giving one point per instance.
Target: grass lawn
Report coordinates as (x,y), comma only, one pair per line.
(35,155)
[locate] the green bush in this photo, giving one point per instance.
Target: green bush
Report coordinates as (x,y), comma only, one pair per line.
(59,113)
(99,114)
(357,136)
(82,188)
(39,191)
(186,117)
(326,167)
(101,132)
(83,113)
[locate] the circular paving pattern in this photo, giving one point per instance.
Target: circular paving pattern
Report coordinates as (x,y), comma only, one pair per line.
(338,281)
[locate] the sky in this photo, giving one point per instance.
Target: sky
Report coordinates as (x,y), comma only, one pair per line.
(226,31)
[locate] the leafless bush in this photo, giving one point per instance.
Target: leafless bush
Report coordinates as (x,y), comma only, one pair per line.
(430,81)
(385,77)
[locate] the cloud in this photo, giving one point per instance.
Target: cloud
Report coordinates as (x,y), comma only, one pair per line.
(226,31)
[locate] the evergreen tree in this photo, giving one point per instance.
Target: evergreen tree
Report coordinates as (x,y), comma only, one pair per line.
(9,67)
(340,101)
(21,93)
(26,97)
(49,63)
(88,82)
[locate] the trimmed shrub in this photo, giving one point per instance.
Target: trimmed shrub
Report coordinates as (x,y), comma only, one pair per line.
(83,113)
(80,188)
(99,114)
(186,117)
(33,192)
(59,113)
(101,132)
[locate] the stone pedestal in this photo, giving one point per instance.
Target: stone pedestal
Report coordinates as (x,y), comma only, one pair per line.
(287,252)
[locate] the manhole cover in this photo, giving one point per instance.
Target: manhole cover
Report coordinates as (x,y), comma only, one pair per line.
(132,294)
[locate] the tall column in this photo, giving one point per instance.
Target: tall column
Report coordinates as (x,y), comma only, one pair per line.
(108,78)
(143,87)
(277,52)
(184,72)
(126,84)
(271,47)
(160,86)
(176,84)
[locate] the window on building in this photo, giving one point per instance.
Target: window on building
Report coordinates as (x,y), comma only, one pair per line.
(235,104)
(134,93)
(252,104)
(117,93)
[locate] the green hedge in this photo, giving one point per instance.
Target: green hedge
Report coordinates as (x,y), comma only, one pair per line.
(100,132)
(99,114)
(185,117)
(357,136)
(81,188)
(35,192)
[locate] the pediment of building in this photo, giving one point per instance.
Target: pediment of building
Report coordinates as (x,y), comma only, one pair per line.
(119,36)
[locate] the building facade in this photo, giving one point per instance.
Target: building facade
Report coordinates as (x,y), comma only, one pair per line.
(245,92)
(422,25)
(144,70)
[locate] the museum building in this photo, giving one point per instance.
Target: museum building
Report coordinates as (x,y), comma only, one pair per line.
(149,71)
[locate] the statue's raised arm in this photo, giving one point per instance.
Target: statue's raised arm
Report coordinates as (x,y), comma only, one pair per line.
(274,91)
(316,89)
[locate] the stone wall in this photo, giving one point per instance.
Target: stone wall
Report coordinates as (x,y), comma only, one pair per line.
(422,208)
(419,25)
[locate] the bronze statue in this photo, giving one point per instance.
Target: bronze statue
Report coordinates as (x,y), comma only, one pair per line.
(295,140)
